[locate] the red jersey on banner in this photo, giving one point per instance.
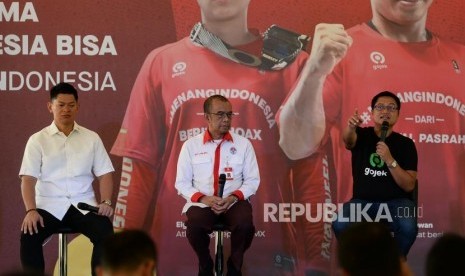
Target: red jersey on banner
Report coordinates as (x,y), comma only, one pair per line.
(165,109)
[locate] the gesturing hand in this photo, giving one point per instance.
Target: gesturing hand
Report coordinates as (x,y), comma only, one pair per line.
(355,120)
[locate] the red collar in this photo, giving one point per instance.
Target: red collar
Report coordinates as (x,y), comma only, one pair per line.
(207,137)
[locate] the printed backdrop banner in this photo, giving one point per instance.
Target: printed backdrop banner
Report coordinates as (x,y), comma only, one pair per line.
(99,46)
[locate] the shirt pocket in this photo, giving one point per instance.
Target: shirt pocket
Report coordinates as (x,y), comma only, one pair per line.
(80,162)
(202,168)
(237,164)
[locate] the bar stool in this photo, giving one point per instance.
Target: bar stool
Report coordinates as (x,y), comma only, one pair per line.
(63,249)
(219,229)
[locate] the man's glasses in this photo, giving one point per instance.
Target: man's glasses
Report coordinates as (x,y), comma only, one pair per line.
(389,108)
(222,115)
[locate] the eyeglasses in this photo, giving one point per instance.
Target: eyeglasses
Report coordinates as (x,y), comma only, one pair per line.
(389,108)
(222,115)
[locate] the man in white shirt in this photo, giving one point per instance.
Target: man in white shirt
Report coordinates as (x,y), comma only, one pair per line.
(59,165)
(201,161)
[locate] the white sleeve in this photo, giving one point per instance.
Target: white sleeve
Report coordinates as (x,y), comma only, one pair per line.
(185,173)
(102,163)
(32,159)
(251,173)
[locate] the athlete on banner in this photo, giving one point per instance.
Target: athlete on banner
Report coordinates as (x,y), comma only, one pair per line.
(396,52)
(221,56)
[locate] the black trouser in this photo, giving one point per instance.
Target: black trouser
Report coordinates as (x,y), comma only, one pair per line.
(238,220)
(91,225)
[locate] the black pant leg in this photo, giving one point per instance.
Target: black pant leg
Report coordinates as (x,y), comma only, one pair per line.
(239,220)
(95,227)
(199,225)
(31,251)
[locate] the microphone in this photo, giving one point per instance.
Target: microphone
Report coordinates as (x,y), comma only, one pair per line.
(87,207)
(384,129)
(221,182)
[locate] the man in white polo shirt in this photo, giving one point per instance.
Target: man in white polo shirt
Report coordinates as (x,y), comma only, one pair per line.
(59,165)
(201,161)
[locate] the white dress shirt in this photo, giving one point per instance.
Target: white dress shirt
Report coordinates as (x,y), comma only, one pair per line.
(65,167)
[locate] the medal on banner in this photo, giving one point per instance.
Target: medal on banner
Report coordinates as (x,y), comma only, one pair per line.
(280,47)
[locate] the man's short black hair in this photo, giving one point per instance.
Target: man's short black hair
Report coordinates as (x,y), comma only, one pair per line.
(127,250)
(63,88)
(368,248)
(208,102)
(446,256)
(385,94)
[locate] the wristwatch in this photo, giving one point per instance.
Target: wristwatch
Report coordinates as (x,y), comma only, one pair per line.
(107,202)
(393,164)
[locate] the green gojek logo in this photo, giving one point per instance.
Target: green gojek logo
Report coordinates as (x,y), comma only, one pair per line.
(376,161)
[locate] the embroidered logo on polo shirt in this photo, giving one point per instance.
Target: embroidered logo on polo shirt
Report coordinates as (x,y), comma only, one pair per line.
(378,60)
(233,150)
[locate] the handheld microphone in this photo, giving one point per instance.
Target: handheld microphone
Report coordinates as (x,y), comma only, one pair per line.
(87,207)
(384,129)
(221,182)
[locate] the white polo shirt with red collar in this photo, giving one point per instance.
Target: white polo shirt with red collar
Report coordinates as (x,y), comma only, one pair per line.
(203,159)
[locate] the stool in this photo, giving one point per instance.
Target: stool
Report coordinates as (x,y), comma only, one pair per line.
(63,249)
(219,229)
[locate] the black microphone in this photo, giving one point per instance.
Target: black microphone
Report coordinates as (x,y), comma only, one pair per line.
(87,207)
(221,182)
(384,129)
